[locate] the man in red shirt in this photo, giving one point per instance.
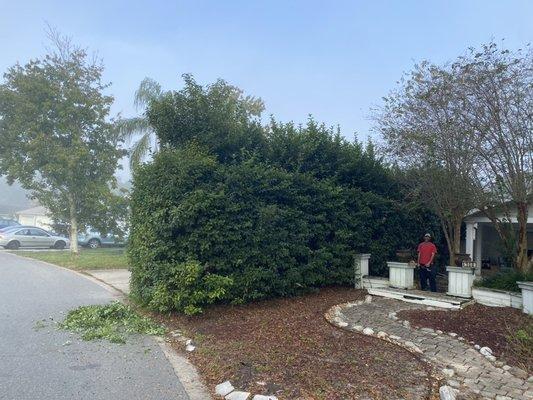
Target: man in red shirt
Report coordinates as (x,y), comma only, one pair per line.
(426,254)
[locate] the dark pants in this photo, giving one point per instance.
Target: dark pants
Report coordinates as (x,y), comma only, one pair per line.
(425,274)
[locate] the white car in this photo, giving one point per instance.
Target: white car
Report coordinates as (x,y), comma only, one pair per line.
(31,236)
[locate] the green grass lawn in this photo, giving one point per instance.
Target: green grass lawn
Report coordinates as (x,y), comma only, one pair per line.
(104,258)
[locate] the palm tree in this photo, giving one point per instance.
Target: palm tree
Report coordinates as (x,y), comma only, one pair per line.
(148,91)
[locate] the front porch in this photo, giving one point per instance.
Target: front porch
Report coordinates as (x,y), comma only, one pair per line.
(483,244)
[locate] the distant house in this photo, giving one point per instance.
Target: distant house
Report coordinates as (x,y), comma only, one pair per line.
(483,243)
(36,216)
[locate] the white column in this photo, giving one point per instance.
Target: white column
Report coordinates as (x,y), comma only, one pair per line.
(478,253)
(364,264)
(527,296)
(470,236)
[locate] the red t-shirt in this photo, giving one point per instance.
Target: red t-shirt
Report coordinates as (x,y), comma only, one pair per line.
(426,249)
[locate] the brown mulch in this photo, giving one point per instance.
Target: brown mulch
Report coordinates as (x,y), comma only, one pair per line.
(493,327)
(286,347)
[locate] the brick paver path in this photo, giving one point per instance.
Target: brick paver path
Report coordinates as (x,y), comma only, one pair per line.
(464,368)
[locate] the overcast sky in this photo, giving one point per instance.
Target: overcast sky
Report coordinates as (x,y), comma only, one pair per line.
(332,59)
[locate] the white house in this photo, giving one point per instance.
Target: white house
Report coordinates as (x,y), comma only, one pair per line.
(36,216)
(482,242)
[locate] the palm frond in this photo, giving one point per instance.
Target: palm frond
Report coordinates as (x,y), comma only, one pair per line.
(140,150)
(148,90)
(130,127)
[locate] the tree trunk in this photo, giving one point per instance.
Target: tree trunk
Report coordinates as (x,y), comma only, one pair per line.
(73,225)
(447,235)
(521,256)
(456,238)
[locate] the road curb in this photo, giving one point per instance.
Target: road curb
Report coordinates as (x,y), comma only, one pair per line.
(184,370)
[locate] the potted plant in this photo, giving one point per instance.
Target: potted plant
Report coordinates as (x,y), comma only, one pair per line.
(404,255)
(460,257)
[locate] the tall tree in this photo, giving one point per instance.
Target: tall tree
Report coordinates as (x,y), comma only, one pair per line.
(149,90)
(218,117)
(56,137)
(424,135)
(495,93)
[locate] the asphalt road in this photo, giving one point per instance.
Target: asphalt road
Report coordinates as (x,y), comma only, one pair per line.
(46,363)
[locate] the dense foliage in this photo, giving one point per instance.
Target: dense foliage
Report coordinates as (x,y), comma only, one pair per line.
(505,280)
(218,216)
(57,140)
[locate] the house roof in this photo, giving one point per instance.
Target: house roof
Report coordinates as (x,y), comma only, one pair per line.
(39,210)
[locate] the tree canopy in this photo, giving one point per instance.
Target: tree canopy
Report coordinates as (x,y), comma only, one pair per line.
(56,137)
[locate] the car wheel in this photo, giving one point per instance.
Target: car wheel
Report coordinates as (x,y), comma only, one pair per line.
(59,245)
(93,243)
(14,245)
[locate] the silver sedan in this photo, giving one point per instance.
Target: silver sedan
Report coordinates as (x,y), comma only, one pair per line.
(31,236)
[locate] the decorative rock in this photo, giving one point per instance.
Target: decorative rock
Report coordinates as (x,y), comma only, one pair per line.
(342,324)
(499,364)
(427,330)
(520,373)
(188,342)
(407,324)
(224,388)
(453,383)
(460,338)
(490,358)
(506,367)
(452,334)
(477,346)
(382,335)
(236,395)
(392,315)
(439,332)
(368,298)
(448,372)
(446,393)
(486,351)
(394,337)
(190,347)
(358,328)
(368,331)
(263,397)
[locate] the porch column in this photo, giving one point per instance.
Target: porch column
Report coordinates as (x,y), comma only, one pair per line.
(470,236)
(478,256)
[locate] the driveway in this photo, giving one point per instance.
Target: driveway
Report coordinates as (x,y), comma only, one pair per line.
(38,361)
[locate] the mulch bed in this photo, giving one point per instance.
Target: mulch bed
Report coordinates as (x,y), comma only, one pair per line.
(486,326)
(286,347)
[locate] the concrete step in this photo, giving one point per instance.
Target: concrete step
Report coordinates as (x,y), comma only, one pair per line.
(421,297)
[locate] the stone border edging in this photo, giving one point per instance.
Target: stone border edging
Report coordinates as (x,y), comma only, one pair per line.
(483,350)
(335,316)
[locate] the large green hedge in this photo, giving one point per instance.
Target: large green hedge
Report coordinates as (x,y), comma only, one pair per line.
(222,215)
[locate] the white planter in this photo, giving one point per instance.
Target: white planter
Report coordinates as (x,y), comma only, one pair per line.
(460,281)
(497,298)
(363,260)
(527,296)
(401,275)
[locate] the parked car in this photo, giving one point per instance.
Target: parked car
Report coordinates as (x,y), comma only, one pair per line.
(6,223)
(31,236)
(93,239)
